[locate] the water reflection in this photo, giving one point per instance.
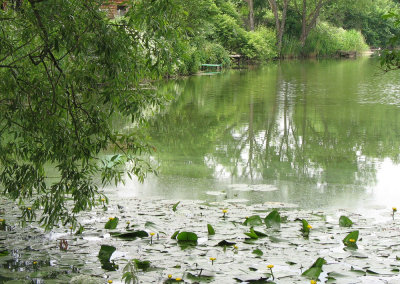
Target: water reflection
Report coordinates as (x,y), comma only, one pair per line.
(318,131)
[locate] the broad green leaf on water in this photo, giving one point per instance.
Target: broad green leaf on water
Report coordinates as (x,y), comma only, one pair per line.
(187,237)
(252,234)
(351,236)
(273,220)
(254,220)
(129,236)
(210,229)
(305,229)
(175,205)
(106,252)
(112,223)
(174,235)
(312,273)
(258,252)
(225,243)
(315,270)
(260,234)
(345,221)
(144,265)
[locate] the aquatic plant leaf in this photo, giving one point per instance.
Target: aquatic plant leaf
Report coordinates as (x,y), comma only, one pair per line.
(315,270)
(258,252)
(187,237)
(139,264)
(225,243)
(351,236)
(252,234)
(345,221)
(174,235)
(112,223)
(260,234)
(106,252)
(305,229)
(130,235)
(175,205)
(273,220)
(210,229)
(254,220)
(312,273)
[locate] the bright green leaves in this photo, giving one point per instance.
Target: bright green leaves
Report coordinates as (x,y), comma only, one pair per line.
(80,76)
(273,220)
(142,264)
(315,270)
(187,237)
(253,234)
(254,220)
(305,228)
(351,239)
(104,255)
(112,223)
(345,221)
(210,229)
(175,206)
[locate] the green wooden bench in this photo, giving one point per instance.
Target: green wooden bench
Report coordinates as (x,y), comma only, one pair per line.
(219,66)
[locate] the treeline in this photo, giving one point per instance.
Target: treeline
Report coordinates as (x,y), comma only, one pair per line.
(259,30)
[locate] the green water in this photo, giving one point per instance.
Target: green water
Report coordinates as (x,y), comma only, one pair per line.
(312,133)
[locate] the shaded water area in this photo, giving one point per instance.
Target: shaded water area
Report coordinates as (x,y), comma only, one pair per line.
(314,139)
(314,133)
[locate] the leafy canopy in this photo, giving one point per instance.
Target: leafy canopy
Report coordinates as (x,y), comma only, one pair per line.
(66,71)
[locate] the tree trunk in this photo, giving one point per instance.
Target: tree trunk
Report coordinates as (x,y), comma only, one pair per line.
(308,21)
(279,24)
(250,3)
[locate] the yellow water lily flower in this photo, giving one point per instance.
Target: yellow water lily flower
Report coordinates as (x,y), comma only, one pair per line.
(169,276)
(313,282)
(394,209)
(270,266)
(352,240)
(110,281)
(178,279)
(309,226)
(152,234)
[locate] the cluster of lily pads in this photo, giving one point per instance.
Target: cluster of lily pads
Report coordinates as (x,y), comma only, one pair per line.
(157,241)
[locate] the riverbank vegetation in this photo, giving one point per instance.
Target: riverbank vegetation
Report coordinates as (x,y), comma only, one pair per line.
(260,30)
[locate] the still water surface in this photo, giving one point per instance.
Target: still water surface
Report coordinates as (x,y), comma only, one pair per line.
(313,133)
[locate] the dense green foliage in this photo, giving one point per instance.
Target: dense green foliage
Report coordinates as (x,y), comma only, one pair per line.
(65,71)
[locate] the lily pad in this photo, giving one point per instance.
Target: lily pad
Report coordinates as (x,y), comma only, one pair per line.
(112,223)
(129,236)
(345,221)
(273,220)
(254,220)
(210,229)
(187,237)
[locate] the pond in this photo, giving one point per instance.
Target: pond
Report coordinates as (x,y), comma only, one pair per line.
(314,133)
(314,139)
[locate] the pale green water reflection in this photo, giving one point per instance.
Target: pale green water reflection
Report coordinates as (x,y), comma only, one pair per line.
(313,133)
